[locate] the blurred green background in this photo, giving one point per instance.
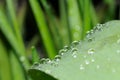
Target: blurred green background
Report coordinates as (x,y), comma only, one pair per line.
(33,29)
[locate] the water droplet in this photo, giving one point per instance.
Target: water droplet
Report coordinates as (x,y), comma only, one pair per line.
(22,58)
(57,58)
(66,48)
(74,52)
(48,61)
(91,51)
(74,43)
(90,39)
(98,27)
(43,61)
(93,60)
(36,63)
(82,67)
(87,62)
(98,66)
(61,52)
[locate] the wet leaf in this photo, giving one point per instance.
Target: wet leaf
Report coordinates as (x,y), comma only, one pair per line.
(96,57)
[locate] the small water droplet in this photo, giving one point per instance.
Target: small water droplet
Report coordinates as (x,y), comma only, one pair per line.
(90,39)
(57,58)
(61,52)
(98,66)
(91,51)
(98,27)
(43,61)
(93,60)
(74,52)
(87,62)
(66,48)
(36,63)
(74,43)
(82,67)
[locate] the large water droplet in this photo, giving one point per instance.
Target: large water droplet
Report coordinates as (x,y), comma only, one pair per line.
(91,51)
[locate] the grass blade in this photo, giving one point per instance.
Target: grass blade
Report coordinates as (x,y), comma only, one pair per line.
(65,29)
(9,34)
(74,20)
(43,29)
(93,15)
(87,23)
(13,17)
(5,69)
(53,24)
(17,67)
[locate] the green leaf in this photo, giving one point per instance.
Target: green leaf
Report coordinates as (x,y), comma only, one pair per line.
(95,58)
(43,28)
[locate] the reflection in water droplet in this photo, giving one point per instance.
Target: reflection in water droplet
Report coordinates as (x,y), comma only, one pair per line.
(87,62)
(91,51)
(82,67)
